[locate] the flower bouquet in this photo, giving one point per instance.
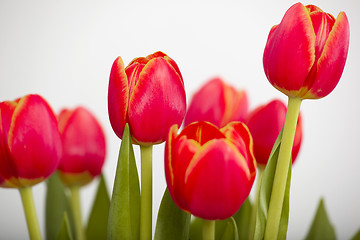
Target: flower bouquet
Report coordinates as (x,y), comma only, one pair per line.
(215,147)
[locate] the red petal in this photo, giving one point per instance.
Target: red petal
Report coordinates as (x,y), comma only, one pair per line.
(202,132)
(118,97)
(332,60)
(290,50)
(158,101)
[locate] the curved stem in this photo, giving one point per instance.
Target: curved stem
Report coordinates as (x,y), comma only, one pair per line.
(281,172)
(255,205)
(208,229)
(146,193)
(30,213)
(76,209)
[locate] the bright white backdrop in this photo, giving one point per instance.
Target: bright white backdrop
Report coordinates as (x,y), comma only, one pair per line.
(64,50)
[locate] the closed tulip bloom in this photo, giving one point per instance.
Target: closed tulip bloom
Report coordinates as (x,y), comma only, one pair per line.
(305,54)
(83,146)
(148,94)
(218,103)
(210,171)
(30,144)
(265,123)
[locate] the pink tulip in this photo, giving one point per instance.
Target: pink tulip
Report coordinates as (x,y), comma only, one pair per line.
(30,143)
(305,54)
(210,171)
(149,95)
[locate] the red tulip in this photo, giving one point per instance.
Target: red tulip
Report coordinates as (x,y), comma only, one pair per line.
(83,146)
(305,54)
(265,124)
(210,171)
(218,103)
(148,94)
(30,144)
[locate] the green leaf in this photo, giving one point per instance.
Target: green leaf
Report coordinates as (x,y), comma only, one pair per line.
(356,236)
(64,232)
(98,219)
(231,230)
(242,218)
(172,222)
(321,227)
(124,214)
(195,232)
(265,194)
(56,204)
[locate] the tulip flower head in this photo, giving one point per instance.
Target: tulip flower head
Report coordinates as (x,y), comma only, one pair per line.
(265,123)
(210,171)
(226,104)
(83,146)
(30,144)
(306,53)
(148,94)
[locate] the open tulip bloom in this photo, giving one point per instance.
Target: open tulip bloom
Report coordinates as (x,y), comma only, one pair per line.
(210,164)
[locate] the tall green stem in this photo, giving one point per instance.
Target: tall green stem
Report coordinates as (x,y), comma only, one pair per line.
(146,193)
(208,229)
(30,213)
(281,172)
(255,205)
(76,209)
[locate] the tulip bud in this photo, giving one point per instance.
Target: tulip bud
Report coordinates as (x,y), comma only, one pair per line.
(305,54)
(83,146)
(210,171)
(265,123)
(148,94)
(30,144)
(225,104)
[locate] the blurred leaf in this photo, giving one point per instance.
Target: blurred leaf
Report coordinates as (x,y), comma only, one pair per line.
(356,236)
(98,219)
(172,222)
(242,218)
(64,232)
(56,204)
(321,227)
(124,214)
(265,194)
(231,230)
(195,232)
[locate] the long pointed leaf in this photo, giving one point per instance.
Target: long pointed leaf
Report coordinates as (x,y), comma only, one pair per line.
(124,214)
(242,218)
(56,204)
(172,222)
(98,219)
(65,232)
(265,195)
(231,230)
(321,227)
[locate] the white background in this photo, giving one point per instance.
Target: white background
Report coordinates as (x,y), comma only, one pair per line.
(64,50)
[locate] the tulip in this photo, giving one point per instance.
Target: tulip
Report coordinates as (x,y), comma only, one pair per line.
(210,171)
(30,144)
(30,150)
(226,104)
(83,146)
(305,54)
(149,95)
(265,123)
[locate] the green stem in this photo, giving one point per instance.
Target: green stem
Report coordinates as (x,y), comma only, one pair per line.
(255,205)
(146,193)
(76,209)
(30,213)
(208,230)
(281,172)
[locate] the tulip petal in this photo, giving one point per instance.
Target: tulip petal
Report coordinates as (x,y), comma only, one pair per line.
(118,96)
(290,50)
(217,182)
(158,101)
(34,139)
(202,132)
(332,60)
